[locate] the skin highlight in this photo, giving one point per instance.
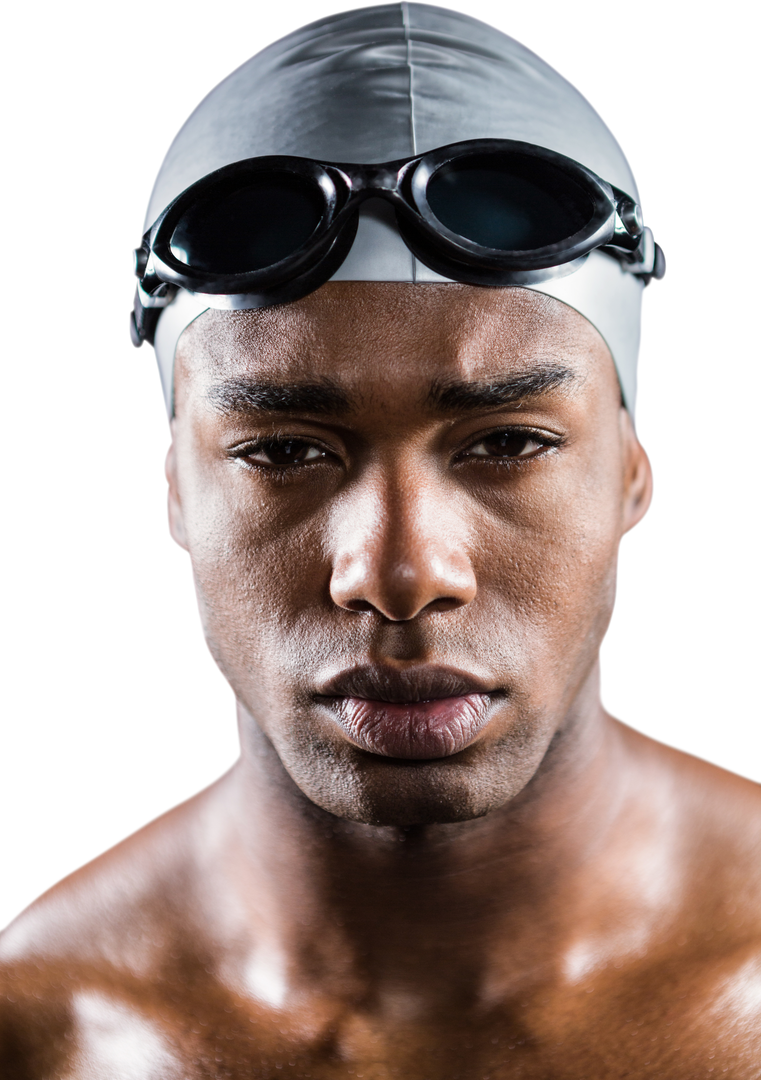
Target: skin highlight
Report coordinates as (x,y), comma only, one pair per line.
(417,493)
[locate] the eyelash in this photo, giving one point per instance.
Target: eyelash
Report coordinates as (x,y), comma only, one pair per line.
(240,453)
(546,442)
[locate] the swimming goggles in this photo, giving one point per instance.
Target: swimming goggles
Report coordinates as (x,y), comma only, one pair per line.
(270,230)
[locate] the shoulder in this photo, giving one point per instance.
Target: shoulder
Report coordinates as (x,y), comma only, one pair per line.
(707,822)
(671,953)
(688,846)
(707,870)
(109,908)
(85,956)
(708,803)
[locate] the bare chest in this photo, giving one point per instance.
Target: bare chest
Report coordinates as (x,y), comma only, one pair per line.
(189,1040)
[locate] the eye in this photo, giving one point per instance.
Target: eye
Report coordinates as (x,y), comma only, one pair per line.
(511,445)
(281,452)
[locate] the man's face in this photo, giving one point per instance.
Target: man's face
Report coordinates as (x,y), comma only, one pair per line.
(403,505)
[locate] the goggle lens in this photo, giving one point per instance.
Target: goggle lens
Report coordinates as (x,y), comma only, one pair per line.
(520,204)
(249,226)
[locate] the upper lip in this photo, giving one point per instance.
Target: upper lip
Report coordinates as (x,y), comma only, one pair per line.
(379,682)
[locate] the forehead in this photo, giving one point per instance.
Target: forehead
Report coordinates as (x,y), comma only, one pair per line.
(362,334)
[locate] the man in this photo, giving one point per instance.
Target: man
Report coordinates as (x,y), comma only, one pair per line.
(402,462)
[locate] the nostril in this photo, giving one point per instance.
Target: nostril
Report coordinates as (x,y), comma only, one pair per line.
(446,603)
(357,605)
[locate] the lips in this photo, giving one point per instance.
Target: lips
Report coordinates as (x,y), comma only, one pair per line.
(417,713)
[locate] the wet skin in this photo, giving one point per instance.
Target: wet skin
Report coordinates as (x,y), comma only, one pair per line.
(437,857)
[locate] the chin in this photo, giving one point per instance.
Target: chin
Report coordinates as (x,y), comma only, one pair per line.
(382,791)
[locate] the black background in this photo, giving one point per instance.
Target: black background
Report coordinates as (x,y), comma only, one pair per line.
(118,711)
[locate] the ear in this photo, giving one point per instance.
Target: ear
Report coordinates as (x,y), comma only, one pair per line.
(638,475)
(176,523)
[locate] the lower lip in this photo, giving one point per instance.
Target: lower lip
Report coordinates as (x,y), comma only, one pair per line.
(414,730)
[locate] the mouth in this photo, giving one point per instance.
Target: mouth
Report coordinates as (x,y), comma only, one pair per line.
(418,713)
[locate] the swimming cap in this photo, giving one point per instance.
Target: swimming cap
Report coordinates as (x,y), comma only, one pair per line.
(383,83)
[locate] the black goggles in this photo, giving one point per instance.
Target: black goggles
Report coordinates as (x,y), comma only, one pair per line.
(483,212)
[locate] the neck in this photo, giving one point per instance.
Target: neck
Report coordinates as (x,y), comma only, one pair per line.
(347,906)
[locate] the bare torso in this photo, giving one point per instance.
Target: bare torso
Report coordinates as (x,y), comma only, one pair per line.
(149,963)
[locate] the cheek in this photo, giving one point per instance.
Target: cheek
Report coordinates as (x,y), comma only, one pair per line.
(546,555)
(259,566)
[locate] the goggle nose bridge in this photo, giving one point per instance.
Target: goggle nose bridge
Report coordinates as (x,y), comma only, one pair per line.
(383,181)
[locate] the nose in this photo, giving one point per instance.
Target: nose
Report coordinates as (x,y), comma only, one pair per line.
(402,548)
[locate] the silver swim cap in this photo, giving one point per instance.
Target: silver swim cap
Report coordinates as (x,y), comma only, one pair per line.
(384,83)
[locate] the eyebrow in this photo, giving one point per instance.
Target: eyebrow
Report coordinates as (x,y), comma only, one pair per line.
(322,397)
(457,395)
(325,398)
